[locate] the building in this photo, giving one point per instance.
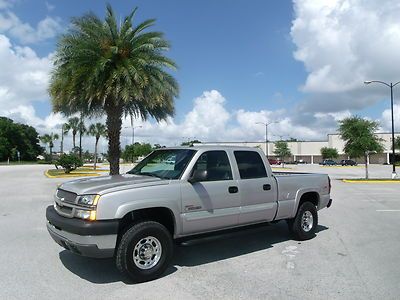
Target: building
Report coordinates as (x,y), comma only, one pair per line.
(310,151)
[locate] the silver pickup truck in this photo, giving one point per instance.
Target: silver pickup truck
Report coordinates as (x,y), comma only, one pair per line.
(180,192)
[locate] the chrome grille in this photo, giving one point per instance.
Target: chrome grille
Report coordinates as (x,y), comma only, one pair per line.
(63,209)
(66,196)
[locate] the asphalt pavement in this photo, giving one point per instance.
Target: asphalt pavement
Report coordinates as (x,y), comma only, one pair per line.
(355,254)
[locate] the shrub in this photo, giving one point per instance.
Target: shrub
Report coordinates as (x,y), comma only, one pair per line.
(69,162)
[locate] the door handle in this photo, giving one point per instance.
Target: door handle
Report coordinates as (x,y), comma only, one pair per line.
(233,189)
(266,187)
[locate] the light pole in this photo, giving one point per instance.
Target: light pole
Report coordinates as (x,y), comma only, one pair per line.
(391,86)
(133,132)
(266,134)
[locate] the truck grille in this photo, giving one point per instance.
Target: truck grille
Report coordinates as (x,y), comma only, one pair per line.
(65,210)
(66,196)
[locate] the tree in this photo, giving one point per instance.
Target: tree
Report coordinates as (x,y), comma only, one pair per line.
(360,138)
(397,143)
(327,152)
(97,130)
(82,130)
(73,125)
(282,150)
(115,69)
(133,151)
(21,137)
(190,143)
(49,139)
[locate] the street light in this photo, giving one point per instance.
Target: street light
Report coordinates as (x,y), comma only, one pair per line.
(266,134)
(133,132)
(391,86)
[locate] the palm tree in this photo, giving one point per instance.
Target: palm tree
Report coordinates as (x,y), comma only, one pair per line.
(73,124)
(49,139)
(82,130)
(97,130)
(64,131)
(102,68)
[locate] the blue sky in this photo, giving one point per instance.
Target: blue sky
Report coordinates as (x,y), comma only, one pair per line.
(301,63)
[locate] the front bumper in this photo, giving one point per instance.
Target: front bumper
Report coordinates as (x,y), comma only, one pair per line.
(88,238)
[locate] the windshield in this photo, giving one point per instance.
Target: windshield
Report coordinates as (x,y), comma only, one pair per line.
(165,164)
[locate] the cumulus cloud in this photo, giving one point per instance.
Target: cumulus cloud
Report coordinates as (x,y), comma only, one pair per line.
(46,28)
(342,43)
(24,76)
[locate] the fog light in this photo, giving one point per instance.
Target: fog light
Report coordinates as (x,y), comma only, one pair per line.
(82,214)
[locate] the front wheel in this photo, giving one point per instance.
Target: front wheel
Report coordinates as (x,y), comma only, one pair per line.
(304,224)
(145,251)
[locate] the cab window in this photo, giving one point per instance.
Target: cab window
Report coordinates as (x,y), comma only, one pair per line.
(250,164)
(217,165)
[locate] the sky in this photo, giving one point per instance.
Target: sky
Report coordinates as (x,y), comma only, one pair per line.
(299,65)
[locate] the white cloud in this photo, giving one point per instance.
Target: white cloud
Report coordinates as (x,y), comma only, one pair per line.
(46,28)
(342,43)
(386,123)
(24,76)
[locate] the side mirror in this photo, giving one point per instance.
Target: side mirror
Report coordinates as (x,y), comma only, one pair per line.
(198,175)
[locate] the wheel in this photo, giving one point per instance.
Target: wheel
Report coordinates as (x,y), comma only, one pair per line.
(304,224)
(145,251)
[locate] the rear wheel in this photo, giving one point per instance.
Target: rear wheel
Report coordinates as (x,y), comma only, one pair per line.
(304,224)
(145,251)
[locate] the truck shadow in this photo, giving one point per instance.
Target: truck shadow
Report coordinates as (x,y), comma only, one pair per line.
(232,243)
(194,252)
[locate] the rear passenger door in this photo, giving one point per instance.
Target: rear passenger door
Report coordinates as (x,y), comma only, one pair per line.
(258,194)
(215,202)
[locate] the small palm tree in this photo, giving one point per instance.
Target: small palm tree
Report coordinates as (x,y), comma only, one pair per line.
(115,69)
(49,139)
(97,130)
(73,125)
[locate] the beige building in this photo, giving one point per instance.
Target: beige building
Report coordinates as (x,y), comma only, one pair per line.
(310,151)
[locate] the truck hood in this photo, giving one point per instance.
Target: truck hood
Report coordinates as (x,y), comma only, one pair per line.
(105,184)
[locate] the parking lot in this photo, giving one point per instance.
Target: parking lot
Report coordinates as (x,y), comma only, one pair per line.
(355,254)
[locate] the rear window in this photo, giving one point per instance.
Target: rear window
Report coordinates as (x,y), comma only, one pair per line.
(250,164)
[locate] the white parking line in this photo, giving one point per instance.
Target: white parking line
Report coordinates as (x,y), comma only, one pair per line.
(385,210)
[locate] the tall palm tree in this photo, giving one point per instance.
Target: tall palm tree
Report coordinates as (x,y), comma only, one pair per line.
(64,131)
(97,130)
(82,130)
(49,139)
(102,68)
(73,125)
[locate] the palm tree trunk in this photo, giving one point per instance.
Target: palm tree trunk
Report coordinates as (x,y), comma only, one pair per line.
(73,140)
(114,123)
(95,153)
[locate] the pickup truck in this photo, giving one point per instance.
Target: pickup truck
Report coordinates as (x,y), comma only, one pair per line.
(135,217)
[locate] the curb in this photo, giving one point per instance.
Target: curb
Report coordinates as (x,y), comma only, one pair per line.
(46,173)
(370,181)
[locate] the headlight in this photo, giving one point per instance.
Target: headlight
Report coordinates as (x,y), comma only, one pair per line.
(85,214)
(88,200)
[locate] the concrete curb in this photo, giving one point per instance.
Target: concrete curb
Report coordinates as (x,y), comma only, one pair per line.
(370,181)
(46,173)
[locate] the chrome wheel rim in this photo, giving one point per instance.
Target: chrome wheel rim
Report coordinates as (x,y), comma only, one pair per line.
(307,221)
(147,253)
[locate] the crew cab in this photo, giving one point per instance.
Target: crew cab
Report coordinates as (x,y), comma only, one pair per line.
(135,217)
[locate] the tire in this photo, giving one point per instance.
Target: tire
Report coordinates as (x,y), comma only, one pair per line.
(144,252)
(299,227)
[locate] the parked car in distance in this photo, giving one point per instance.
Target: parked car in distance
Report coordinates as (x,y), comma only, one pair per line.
(273,161)
(348,162)
(328,162)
